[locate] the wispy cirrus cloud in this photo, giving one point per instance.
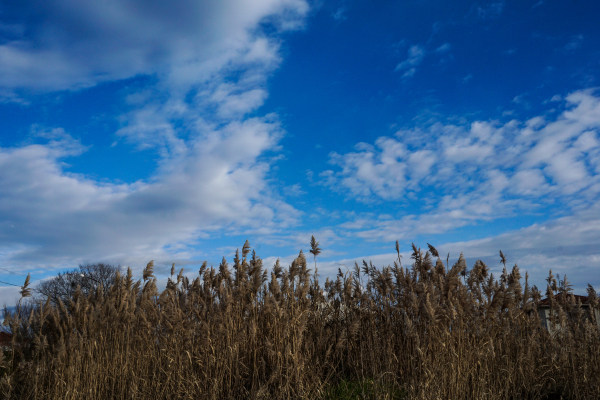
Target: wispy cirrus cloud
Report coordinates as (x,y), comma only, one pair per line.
(446,47)
(340,14)
(487,11)
(574,43)
(415,57)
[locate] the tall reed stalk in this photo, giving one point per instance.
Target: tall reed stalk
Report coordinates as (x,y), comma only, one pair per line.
(428,331)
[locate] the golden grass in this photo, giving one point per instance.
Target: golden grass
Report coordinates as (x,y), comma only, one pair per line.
(422,332)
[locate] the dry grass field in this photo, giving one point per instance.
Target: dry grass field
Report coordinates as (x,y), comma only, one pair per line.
(428,331)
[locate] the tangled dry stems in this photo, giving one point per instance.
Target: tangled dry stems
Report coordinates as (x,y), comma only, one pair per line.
(428,331)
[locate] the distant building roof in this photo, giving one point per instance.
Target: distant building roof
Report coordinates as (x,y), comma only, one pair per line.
(5,338)
(559,297)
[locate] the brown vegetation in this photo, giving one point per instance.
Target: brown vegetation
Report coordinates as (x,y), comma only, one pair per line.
(425,332)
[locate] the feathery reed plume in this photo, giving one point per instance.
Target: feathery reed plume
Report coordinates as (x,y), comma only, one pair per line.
(394,332)
(315,250)
(148,271)
(433,251)
(398,251)
(502,258)
(25,291)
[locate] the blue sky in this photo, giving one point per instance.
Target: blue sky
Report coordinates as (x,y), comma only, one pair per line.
(174,131)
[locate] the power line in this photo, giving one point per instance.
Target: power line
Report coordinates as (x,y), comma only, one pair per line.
(17,273)
(12,272)
(12,284)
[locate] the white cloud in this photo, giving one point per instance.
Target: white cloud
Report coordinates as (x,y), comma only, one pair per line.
(574,43)
(209,64)
(9,295)
(415,56)
(446,47)
(72,44)
(380,167)
(50,216)
(340,14)
(539,3)
(409,73)
(488,11)
(477,172)
(556,97)
(518,99)
(536,249)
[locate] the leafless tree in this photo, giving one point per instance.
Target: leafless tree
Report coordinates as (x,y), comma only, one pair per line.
(86,276)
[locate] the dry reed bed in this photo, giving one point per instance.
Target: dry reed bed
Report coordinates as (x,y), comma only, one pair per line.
(434,331)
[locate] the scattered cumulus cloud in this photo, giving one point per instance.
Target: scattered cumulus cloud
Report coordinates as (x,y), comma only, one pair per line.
(477,172)
(295,190)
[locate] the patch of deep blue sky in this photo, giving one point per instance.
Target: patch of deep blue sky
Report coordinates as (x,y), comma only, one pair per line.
(338,85)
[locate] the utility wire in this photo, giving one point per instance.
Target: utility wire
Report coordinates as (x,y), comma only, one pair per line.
(17,273)
(12,272)
(12,284)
